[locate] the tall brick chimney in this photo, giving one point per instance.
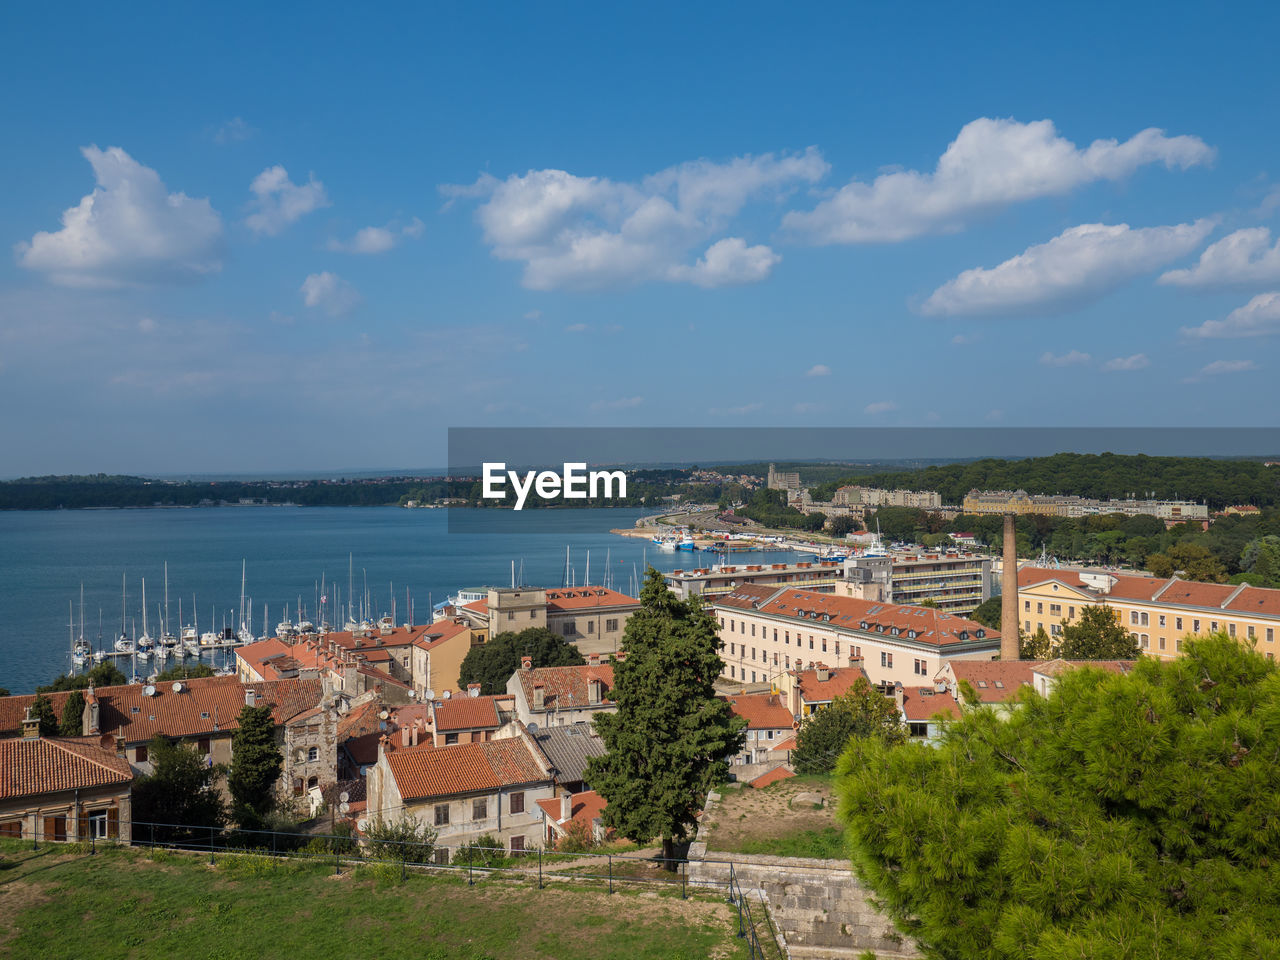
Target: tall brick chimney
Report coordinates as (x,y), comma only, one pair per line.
(1009,593)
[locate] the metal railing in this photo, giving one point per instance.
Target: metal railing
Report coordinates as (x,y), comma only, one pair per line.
(747,921)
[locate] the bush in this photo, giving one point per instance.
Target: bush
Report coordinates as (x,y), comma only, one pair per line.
(578,838)
(403,839)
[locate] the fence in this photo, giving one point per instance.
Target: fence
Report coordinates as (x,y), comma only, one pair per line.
(472,859)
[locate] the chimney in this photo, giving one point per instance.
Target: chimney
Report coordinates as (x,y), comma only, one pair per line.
(250,697)
(526,663)
(566,807)
(898,697)
(413,736)
(91,711)
(594,690)
(593,659)
(119,744)
(823,674)
(404,736)
(539,697)
(1009,593)
(30,726)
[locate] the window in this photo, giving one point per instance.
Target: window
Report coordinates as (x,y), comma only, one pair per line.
(731,674)
(775,634)
(1026,606)
(517,802)
(1162,619)
(313,754)
(1055,609)
(1133,617)
(917,730)
(1195,626)
(140,753)
(1231,629)
(1146,620)
(924,668)
(591,626)
(753,653)
(441,856)
(202,745)
(11,828)
(1213,626)
(731,650)
(450,739)
(733,627)
(442,814)
(1144,641)
(1071,613)
(297,787)
(1271,634)
(1177,622)
(533,615)
(857,652)
(1161,641)
(824,644)
(517,844)
(753,676)
(611,626)
(1178,643)
(915,666)
(1251,634)
(786,635)
(722,623)
(480,809)
(787,661)
(313,782)
(511,614)
(570,626)
(1055,629)
(1028,625)
(884,659)
(1039,607)
(811,641)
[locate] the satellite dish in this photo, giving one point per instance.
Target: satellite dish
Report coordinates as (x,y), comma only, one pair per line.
(447,694)
(382,714)
(473,692)
(362,824)
(430,694)
(344,807)
(343,797)
(532,727)
(177,686)
(149,690)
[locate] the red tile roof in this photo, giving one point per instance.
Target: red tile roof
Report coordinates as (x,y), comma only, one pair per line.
(32,767)
(773,776)
(994,681)
(439,632)
(579,598)
(931,626)
(813,690)
(762,711)
(426,771)
(784,745)
(1055,668)
(923,703)
(566,687)
(583,807)
(468,713)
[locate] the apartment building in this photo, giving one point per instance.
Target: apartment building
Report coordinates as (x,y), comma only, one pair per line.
(594,617)
(768,631)
(856,496)
(559,696)
(1159,613)
(820,575)
(1021,502)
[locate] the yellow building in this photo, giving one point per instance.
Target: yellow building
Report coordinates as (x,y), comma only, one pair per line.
(1159,613)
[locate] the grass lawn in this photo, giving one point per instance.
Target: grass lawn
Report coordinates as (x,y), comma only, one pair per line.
(61,902)
(776,822)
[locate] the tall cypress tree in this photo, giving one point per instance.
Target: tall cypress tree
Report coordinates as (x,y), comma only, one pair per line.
(42,710)
(72,715)
(256,762)
(671,738)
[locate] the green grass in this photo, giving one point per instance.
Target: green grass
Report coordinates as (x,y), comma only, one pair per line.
(58,903)
(825,844)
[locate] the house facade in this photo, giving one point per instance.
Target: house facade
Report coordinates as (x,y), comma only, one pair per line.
(557,696)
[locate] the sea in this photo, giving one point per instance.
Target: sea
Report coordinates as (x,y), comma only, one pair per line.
(291,556)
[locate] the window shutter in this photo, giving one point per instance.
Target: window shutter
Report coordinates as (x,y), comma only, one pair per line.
(113,822)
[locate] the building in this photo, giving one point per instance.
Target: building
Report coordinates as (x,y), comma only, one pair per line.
(856,496)
(557,696)
(769,724)
(470,719)
(592,617)
(957,582)
(567,751)
(814,688)
(436,655)
(464,792)
(769,631)
(821,575)
(783,481)
(924,710)
(1020,502)
(1159,613)
(63,788)
(570,814)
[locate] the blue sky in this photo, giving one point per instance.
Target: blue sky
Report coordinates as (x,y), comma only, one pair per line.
(248,239)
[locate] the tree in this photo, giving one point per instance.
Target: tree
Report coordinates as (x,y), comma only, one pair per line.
(988,612)
(671,737)
(1097,635)
(72,715)
(492,664)
(42,710)
(843,525)
(1191,561)
(1120,817)
(929,602)
(862,711)
(1037,646)
(179,794)
(255,767)
(105,674)
(402,839)
(184,672)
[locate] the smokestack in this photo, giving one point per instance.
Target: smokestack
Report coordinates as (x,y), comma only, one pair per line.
(1009,593)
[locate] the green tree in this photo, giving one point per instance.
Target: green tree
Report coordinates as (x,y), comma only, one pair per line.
(184,672)
(988,612)
(1036,646)
(255,767)
(492,664)
(105,674)
(42,710)
(401,839)
(1121,817)
(1191,561)
(1097,635)
(862,711)
(72,724)
(843,525)
(179,794)
(671,737)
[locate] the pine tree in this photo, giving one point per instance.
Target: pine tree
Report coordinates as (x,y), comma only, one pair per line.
(671,737)
(1097,635)
(72,715)
(862,711)
(1122,816)
(42,710)
(256,763)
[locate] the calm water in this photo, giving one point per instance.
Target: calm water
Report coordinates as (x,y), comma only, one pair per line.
(46,556)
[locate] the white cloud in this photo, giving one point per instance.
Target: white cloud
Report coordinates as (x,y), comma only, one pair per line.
(1259,317)
(533,315)
(622,403)
(130,230)
(1246,258)
(991,163)
(818,370)
(740,411)
(372,240)
(880,406)
(147,325)
(328,292)
(1081,264)
(1138,361)
(590,232)
(1220,367)
(963,339)
(729,262)
(1270,203)
(233,131)
(576,328)
(279,201)
(1071,358)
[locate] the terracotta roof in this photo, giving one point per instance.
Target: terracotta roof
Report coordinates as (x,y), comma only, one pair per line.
(438,633)
(467,713)
(573,599)
(583,807)
(773,776)
(43,765)
(930,626)
(1055,668)
(762,711)
(923,703)
(994,681)
(566,687)
(788,744)
(813,690)
(1259,601)
(426,771)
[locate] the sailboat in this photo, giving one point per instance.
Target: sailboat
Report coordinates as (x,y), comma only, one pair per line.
(145,644)
(245,633)
(124,643)
(167,637)
(81,650)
